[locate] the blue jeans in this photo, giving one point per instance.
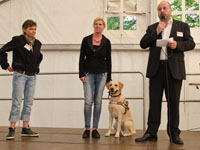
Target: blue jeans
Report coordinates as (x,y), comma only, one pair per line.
(93,92)
(23,87)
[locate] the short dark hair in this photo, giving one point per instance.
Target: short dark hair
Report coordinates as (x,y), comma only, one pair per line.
(28,23)
(164,1)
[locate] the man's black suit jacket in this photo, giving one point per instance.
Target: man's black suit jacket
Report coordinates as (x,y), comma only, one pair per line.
(175,57)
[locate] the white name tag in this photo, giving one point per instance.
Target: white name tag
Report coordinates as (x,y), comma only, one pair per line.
(28,47)
(180,34)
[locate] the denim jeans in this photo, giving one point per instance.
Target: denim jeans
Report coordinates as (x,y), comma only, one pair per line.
(93,92)
(23,87)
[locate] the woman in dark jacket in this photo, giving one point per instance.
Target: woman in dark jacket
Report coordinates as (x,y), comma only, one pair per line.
(94,72)
(25,65)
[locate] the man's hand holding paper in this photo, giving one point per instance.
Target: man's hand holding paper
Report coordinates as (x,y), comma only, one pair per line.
(165,42)
(172,44)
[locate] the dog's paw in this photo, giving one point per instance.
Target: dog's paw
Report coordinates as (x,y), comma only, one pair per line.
(127,134)
(107,134)
(113,133)
(117,135)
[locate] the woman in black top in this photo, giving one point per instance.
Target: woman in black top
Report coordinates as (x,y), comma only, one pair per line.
(94,72)
(25,65)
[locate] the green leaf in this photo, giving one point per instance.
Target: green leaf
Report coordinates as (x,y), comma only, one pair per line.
(113,23)
(129,23)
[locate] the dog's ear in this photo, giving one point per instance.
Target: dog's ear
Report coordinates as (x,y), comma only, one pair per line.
(108,85)
(121,85)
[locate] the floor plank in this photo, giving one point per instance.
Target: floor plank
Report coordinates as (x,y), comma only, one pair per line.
(71,139)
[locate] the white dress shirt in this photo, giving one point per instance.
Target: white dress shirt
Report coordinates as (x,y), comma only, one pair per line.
(165,35)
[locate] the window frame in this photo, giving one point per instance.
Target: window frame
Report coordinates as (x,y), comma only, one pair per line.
(121,14)
(184,12)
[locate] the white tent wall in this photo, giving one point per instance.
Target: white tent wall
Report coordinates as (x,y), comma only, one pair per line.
(66,22)
(59,22)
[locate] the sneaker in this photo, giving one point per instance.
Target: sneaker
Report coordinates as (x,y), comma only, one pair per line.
(28,132)
(86,134)
(95,134)
(11,134)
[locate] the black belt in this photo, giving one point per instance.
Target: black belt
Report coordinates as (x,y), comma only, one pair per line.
(163,62)
(26,73)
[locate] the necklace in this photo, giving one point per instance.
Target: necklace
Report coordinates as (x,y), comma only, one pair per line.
(97,41)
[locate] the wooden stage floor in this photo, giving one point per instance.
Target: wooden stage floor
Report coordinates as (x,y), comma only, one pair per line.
(71,139)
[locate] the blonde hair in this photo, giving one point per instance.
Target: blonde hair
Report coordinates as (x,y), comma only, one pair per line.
(99,19)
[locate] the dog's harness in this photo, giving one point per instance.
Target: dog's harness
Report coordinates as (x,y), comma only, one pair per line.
(125,105)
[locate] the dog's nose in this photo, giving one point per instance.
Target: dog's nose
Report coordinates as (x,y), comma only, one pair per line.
(112,89)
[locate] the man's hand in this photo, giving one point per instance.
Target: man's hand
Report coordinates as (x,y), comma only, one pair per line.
(172,44)
(160,27)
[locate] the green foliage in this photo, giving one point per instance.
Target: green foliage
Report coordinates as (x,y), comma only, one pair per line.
(129,23)
(192,20)
(113,23)
(191,5)
(177,17)
(176,5)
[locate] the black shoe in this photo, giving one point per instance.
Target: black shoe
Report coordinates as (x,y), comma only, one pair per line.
(86,134)
(176,139)
(95,134)
(11,134)
(146,137)
(28,132)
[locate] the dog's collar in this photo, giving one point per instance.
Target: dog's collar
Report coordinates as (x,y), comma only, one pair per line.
(116,95)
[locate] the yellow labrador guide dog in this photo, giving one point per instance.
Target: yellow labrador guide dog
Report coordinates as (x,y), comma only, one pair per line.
(119,110)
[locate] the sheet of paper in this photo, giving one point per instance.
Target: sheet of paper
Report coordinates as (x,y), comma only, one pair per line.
(163,42)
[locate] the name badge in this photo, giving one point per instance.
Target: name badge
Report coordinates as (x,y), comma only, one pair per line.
(180,34)
(28,47)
